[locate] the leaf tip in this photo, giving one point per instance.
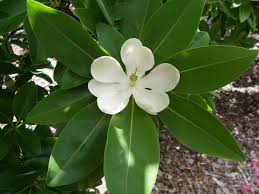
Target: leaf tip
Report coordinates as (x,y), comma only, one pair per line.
(241,157)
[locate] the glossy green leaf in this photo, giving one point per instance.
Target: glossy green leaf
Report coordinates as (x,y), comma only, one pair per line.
(63,38)
(28,141)
(37,54)
(87,18)
(25,99)
(110,39)
(201,39)
(209,68)
(136,14)
(94,179)
(172,28)
(66,78)
(107,10)
(13,12)
(60,106)
(131,158)
(91,181)
(237,3)
(198,99)
(89,13)
(199,130)
(84,139)
(225,9)
(244,12)
(210,100)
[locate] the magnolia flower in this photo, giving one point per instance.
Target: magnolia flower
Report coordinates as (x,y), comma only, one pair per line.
(113,87)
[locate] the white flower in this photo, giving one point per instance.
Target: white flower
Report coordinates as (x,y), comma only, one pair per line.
(113,88)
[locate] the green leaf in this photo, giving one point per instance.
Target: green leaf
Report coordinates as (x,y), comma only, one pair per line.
(8,68)
(91,181)
(43,131)
(131,158)
(14,12)
(209,98)
(37,163)
(84,139)
(63,38)
(209,68)
(81,3)
(248,42)
(28,141)
(66,78)
(107,10)
(15,179)
(89,13)
(87,18)
(244,12)
(198,99)
(6,112)
(136,14)
(42,92)
(37,54)
(201,39)
(60,106)
(165,36)
(237,3)
(199,130)
(110,39)
(224,8)
(45,191)
(4,146)
(47,145)
(25,99)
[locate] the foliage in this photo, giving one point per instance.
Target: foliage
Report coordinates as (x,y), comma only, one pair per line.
(89,144)
(231,21)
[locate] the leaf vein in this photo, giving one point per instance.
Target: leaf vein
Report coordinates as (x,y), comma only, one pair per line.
(66,37)
(173,27)
(82,144)
(192,123)
(130,144)
(217,63)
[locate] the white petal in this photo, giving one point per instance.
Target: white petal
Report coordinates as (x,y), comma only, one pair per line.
(129,46)
(114,101)
(163,77)
(108,70)
(99,88)
(151,101)
(136,57)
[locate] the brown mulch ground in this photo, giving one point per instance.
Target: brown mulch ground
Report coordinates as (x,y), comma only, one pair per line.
(183,171)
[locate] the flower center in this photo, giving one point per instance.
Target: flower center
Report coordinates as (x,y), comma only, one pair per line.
(133,79)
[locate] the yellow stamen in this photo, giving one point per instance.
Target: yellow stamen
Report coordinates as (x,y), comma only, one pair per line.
(133,79)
